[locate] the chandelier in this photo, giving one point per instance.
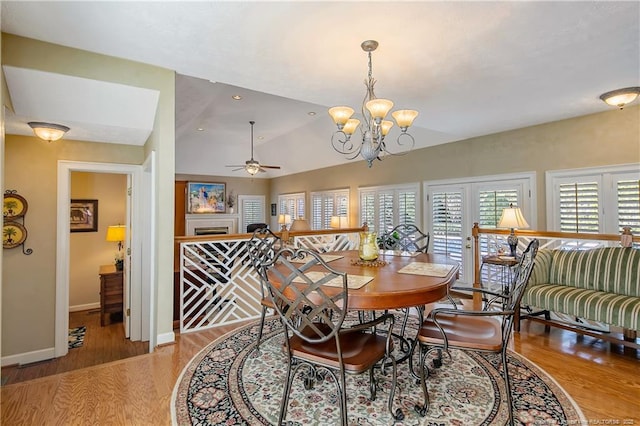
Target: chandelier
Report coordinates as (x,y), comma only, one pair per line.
(375,128)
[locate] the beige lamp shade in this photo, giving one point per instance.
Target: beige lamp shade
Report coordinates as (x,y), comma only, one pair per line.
(300,225)
(379,108)
(284,219)
(512,218)
(338,222)
(341,114)
(405,117)
(385,126)
(351,126)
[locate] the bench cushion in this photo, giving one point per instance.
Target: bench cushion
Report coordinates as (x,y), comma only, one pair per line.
(611,308)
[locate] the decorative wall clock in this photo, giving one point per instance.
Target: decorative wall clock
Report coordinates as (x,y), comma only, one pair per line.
(14,205)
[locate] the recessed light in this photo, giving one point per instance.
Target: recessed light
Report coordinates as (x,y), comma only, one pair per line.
(260,137)
(311,113)
(200,129)
(236,97)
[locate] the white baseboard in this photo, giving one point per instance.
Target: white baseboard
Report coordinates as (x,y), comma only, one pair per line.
(165,338)
(85,307)
(28,357)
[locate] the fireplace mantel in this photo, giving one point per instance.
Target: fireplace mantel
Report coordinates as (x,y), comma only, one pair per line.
(193,221)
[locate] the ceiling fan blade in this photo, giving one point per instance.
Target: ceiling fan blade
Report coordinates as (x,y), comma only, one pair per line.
(237,165)
(269,167)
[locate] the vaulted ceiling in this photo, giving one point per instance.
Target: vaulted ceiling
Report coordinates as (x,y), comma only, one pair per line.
(469,68)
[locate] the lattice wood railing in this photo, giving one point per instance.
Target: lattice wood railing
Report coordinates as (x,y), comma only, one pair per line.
(218,285)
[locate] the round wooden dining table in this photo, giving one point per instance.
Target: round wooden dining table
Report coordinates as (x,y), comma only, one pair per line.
(391,289)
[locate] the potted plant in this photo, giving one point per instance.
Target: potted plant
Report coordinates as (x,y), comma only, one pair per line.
(231,201)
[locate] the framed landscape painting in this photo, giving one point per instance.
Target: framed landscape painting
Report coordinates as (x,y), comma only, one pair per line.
(206,197)
(83,216)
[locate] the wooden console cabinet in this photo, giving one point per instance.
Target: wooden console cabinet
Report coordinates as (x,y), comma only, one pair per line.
(111,299)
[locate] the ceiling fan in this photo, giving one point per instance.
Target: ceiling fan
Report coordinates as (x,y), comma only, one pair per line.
(252,166)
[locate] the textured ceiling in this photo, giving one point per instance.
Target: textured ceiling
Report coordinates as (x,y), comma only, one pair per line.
(470,68)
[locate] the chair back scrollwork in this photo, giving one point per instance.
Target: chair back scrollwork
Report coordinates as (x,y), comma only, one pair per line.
(405,237)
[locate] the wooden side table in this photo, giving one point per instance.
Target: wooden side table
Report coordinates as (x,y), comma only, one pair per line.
(111,293)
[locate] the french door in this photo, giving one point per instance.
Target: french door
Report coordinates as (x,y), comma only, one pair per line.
(452,207)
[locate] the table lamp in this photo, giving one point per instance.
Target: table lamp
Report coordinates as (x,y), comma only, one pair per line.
(512,218)
(339,222)
(117,233)
(300,225)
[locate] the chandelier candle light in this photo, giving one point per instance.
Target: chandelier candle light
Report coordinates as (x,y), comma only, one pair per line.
(375,127)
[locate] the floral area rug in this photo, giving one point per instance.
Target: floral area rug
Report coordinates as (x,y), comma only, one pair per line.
(229,383)
(76,336)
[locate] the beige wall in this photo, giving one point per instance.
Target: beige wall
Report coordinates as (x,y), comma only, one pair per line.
(607,138)
(28,298)
(29,282)
(239,185)
(89,250)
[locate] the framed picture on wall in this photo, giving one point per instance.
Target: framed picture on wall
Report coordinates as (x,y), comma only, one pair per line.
(206,197)
(83,216)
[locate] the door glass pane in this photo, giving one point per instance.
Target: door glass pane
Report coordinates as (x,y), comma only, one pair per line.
(447,225)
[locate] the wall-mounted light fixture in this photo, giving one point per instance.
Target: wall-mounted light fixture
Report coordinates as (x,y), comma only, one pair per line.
(621,97)
(48,131)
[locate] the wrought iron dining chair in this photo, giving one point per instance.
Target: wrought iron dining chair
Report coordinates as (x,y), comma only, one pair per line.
(262,248)
(405,237)
(311,299)
(475,330)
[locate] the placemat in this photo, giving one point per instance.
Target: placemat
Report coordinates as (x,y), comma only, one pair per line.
(353,281)
(326,257)
(431,269)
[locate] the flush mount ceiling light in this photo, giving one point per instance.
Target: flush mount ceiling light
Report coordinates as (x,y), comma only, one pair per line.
(48,131)
(375,127)
(621,97)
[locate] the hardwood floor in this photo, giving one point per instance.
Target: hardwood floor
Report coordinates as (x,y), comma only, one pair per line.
(101,345)
(603,380)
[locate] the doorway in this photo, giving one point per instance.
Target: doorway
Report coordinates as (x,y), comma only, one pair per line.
(139,326)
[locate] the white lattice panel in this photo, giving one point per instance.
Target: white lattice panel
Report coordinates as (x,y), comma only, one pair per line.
(218,285)
(327,242)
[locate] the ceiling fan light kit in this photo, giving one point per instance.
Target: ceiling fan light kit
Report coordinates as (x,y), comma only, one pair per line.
(375,128)
(252,166)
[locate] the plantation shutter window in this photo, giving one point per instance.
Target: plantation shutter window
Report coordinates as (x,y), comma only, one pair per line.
(326,204)
(579,207)
(594,200)
(292,204)
(252,210)
(628,201)
(383,208)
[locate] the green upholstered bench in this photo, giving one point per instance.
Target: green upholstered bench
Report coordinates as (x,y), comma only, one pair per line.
(601,285)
